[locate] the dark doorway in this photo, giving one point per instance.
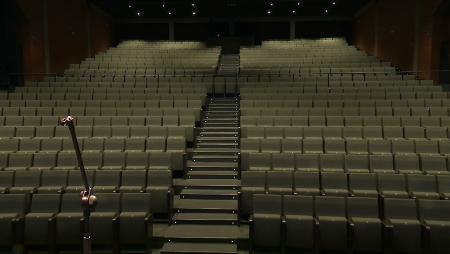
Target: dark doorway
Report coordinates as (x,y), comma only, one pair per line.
(445,63)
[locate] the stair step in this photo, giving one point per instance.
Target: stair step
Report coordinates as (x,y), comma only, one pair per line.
(199,248)
(211,165)
(214,158)
(226,233)
(208,194)
(208,183)
(221,118)
(204,205)
(205,151)
(212,174)
(217,138)
(202,156)
(205,218)
(212,128)
(217,145)
(219,134)
(214,124)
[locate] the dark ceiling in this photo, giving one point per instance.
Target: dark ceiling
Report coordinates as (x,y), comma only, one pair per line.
(120,9)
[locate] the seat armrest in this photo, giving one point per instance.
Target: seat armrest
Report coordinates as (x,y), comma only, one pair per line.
(18,229)
(351,193)
(426,232)
(116,233)
(149,230)
(239,200)
(350,222)
(170,194)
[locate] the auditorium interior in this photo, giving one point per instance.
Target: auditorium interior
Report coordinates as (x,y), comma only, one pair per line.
(224,126)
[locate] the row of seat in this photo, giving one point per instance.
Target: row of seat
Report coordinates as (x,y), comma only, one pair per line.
(348,132)
(97,111)
(100,96)
(51,222)
(94,144)
(350,224)
(341,96)
(176,103)
(169,88)
(334,81)
(249,104)
(405,92)
(182,120)
(360,163)
(338,184)
(342,146)
(47,132)
(105,160)
(341,121)
(349,111)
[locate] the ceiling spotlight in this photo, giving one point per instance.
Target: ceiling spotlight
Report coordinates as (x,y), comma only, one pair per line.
(164,5)
(271,4)
(194,13)
(326,10)
(129,5)
(170,13)
(193,4)
(334,3)
(293,11)
(298,3)
(269,12)
(138,13)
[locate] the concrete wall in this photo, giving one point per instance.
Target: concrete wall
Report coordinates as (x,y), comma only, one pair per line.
(405,32)
(58,33)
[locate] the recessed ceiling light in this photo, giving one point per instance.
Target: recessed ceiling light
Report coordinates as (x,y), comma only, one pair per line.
(334,3)
(170,13)
(138,13)
(298,3)
(129,6)
(194,13)
(269,12)
(193,4)
(326,10)
(271,4)
(164,5)
(293,11)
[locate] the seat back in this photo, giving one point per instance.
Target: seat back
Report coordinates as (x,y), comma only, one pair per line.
(330,206)
(45,203)
(267,204)
(362,207)
(136,202)
(298,205)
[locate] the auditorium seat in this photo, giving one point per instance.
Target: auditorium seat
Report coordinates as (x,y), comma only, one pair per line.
(252,182)
(266,221)
(365,225)
(39,221)
(12,211)
(403,224)
(332,223)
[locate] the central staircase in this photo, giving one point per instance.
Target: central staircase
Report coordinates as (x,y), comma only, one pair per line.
(229,65)
(206,208)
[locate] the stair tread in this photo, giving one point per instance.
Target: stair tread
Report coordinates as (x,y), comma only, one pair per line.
(187,203)
(231,156)
(213,248)
(208,192)
(217,139)
(211,164)
(207,182)
(205,216)
(219,150)
(202,231)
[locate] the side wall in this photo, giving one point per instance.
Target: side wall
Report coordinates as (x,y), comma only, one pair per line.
(55,34)
(406,33)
